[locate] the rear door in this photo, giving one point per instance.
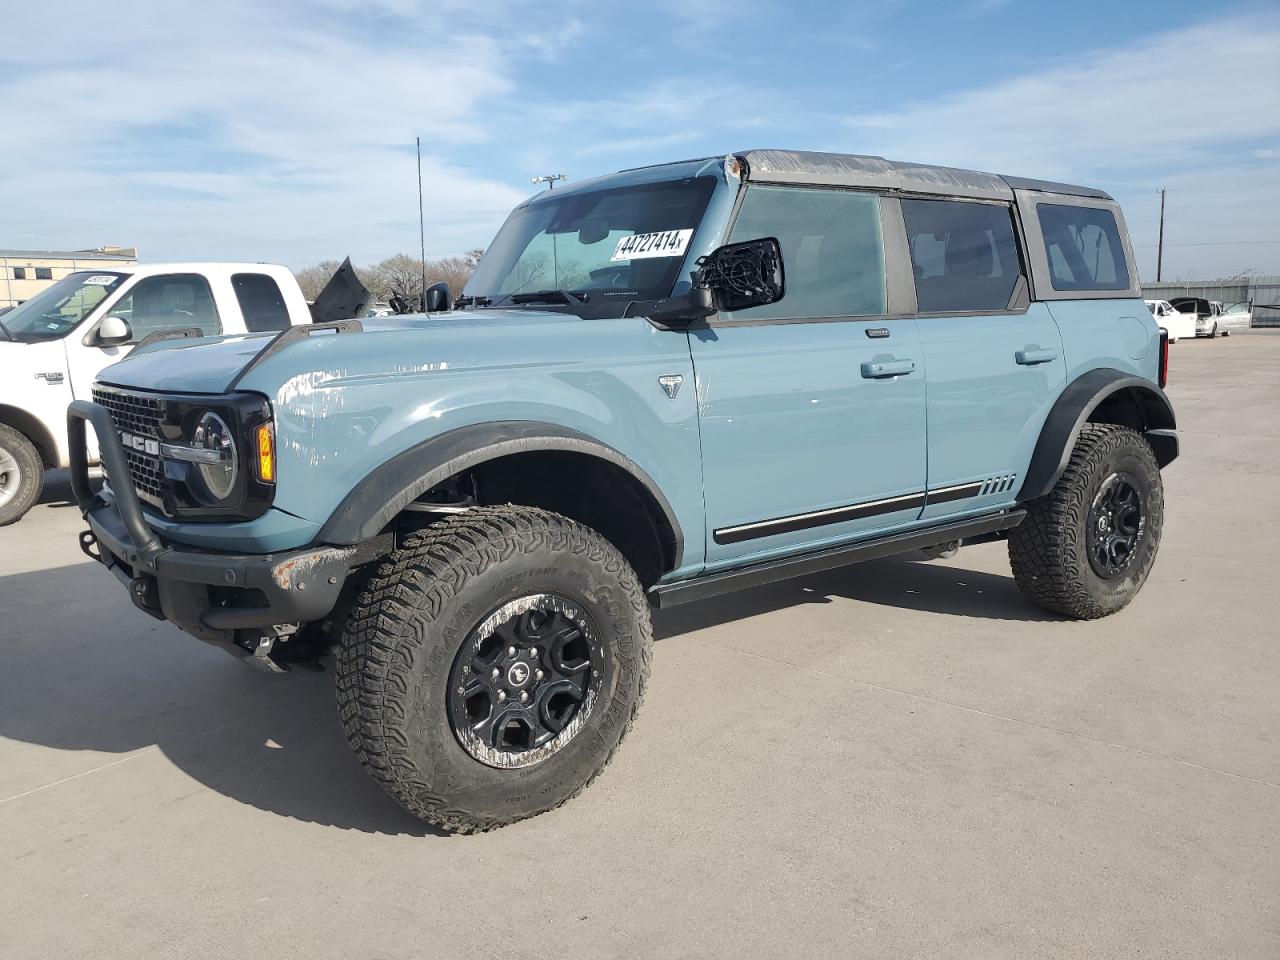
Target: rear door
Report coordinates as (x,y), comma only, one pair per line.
(994,358)
(812,409)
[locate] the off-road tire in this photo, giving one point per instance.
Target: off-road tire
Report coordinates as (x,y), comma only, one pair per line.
(401,640)
(30,474)
(1047,551)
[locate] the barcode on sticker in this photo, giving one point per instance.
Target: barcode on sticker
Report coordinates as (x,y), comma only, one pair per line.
(641,246)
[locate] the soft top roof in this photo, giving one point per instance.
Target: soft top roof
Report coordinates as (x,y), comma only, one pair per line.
(811,168)
(856,170)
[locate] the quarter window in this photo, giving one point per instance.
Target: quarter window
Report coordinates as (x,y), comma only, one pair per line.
(168,303)
(261,302)
(964,255)
(1083,246)
(832,251)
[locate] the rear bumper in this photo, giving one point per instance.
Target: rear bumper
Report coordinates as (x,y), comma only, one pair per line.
(219,597)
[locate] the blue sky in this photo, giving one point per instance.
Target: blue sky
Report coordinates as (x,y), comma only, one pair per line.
(284,130)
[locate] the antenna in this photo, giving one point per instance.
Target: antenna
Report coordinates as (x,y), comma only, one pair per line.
(422,231)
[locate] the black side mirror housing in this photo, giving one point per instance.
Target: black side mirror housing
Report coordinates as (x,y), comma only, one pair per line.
(437,297)
(733,277)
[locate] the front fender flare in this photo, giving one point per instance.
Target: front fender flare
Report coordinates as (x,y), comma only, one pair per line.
(386,491)
(1072,411)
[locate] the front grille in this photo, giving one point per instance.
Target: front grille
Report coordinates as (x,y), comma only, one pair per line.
(139,415)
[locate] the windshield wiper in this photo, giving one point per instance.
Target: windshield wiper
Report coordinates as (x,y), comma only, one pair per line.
(476,301)
(549,296)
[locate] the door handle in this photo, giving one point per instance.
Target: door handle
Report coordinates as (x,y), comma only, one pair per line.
(1029,356)
(880,369)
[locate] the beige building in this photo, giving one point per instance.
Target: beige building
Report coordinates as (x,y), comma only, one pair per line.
(24,273)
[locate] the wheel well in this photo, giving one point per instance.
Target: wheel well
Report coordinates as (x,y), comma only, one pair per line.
(1138,409)
(35,431)
(585,488)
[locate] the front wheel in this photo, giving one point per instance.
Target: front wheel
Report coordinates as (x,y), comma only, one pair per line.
(1085,548)
(1214,332)
(21,475)
(492,666)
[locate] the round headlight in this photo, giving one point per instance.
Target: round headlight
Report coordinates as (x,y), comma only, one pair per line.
(212,433)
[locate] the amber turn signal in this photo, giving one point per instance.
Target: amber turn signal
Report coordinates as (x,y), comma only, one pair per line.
(266,453)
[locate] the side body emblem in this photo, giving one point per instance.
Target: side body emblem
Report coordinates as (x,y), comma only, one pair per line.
(671,384)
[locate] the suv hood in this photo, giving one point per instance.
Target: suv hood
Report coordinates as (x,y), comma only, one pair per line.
(210,364)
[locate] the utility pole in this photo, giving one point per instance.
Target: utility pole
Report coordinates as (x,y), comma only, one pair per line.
(549,179)
(1160,242)
(422,232)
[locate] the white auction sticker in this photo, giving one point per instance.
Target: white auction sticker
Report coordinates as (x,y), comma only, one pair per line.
(642,246)
(101,279)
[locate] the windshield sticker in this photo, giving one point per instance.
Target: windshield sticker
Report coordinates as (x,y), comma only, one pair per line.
(101,280)
(642,246)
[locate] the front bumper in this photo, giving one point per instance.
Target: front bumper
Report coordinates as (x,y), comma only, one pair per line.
(227,599)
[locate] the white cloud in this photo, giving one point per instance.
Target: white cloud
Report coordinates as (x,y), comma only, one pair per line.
(1187,109)
(248,130)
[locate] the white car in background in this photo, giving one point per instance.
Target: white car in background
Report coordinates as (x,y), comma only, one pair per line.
(1236,316)
(1177,325)
(53,345)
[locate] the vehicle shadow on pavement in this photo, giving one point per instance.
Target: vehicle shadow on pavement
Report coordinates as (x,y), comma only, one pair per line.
(911,582)
(82,670)
(57,488)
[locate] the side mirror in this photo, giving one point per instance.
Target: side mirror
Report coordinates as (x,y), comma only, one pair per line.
(114,330)
(438,297)
(733,277)
(742,275)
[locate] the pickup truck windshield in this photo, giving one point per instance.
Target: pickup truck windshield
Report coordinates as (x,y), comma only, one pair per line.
(54,312)
(606,246)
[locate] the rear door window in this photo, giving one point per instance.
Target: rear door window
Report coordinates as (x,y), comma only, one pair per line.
(169,302)
(832,251)
(964,255)
(1083,246)
(261,302)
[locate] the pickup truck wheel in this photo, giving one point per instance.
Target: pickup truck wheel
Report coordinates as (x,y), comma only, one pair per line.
(1085,548)
(21,475)
(492,666)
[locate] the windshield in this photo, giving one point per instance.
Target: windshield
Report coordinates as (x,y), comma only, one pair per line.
(601,246)
(54,312)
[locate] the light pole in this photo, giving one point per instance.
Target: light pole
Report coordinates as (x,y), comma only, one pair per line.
(1160,241)
(550,179)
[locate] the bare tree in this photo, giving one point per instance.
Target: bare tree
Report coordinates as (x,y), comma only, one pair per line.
(313,279)
(400,275)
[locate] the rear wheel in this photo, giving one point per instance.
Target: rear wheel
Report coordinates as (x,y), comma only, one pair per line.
(493,665)
(1214,332)
(21,475)
(1086,548)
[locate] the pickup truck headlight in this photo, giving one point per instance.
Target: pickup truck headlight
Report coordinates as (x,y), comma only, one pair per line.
(219,473)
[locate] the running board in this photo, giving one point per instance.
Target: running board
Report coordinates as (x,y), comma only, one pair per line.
(684,591)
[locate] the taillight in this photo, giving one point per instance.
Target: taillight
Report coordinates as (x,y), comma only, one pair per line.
(1164,358)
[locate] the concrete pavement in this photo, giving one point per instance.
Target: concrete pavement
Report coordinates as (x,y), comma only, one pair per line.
(902,759)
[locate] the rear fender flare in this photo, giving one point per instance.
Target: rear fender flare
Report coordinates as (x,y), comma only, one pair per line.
(1074,408)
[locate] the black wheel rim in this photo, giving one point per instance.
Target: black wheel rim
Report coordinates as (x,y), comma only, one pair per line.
(525,681)
(1115,525)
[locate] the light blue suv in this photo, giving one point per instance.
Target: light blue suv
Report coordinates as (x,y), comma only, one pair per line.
(660,385)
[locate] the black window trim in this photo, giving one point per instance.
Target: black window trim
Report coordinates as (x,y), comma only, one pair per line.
(1042,287)
(893,228)
(1021,296)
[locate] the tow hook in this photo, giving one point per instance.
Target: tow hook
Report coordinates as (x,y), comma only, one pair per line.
(262,651)
(146,596)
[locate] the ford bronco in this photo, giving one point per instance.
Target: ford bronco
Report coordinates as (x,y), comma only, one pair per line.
(658,386)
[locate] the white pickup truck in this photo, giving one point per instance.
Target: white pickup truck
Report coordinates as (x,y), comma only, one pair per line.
(54,345)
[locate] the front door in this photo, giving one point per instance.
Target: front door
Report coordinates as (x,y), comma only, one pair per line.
(995,360)
(812,409)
